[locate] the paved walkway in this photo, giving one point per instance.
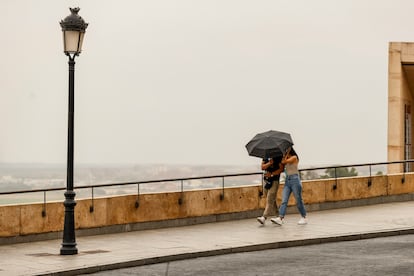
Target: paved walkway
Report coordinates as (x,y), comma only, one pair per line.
(112,251)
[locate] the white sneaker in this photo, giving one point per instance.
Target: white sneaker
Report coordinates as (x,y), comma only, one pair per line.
(277,220)
(261,219)
(302,221)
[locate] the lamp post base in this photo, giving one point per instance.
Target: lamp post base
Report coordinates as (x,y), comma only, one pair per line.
(68,249)
(69,240)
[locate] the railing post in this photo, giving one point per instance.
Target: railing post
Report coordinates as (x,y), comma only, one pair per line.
(44,204)
(91,207)
(370,177)
(261,188)
(336,181)
(137,201)
(180,200)
(404,169)
(222,193)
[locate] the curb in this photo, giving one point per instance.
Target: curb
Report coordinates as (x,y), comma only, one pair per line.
(233,250)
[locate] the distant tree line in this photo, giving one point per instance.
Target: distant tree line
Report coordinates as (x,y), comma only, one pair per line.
(339,172)
(332,173)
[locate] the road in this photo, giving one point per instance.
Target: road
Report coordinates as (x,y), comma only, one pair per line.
(380,256)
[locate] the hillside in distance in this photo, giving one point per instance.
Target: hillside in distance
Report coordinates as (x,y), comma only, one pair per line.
(15,177)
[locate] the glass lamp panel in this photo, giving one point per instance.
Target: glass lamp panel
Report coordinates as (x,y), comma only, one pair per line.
(71,41)
(82,34)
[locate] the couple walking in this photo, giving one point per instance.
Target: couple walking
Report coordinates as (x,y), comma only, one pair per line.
(273,167)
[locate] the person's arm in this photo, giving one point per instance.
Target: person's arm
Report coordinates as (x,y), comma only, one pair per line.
(290,159)
(278,171)
(287,159)
(266,165)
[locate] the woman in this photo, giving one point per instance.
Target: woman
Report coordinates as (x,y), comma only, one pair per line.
(292,184)
(273,168)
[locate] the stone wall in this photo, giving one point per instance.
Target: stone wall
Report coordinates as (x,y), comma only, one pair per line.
(120,213)
(400,94)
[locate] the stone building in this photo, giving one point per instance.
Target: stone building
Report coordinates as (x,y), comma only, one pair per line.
(400,103)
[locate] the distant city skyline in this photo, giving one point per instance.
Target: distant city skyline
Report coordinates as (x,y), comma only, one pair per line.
(191,82)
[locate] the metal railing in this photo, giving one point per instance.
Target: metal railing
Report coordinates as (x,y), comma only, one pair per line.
(138,184)
(335,169)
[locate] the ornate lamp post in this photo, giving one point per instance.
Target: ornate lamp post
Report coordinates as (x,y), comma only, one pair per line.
(73,28)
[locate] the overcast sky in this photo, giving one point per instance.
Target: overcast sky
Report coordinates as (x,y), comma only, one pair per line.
(191,82)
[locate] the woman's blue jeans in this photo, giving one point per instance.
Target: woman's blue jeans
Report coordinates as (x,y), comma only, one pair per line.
(292,184)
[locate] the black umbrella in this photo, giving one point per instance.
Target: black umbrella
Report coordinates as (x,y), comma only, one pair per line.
(269,144)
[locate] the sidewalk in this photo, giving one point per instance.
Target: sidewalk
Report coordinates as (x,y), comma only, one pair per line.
(111,251)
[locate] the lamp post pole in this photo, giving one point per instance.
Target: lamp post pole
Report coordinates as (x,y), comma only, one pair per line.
(73,27)
(69,240)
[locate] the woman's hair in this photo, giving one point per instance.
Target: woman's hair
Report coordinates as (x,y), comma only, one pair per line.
(277,159)
(293,152)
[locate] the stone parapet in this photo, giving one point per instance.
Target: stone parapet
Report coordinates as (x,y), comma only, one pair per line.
(122,213)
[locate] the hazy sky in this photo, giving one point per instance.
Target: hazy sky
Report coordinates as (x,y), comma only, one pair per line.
(191,82)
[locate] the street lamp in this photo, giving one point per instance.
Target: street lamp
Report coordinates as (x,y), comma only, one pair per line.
(73,28)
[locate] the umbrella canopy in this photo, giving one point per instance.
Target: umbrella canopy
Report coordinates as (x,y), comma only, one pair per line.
(269,144)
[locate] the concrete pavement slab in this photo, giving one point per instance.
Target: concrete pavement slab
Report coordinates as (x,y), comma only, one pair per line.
(111,251)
